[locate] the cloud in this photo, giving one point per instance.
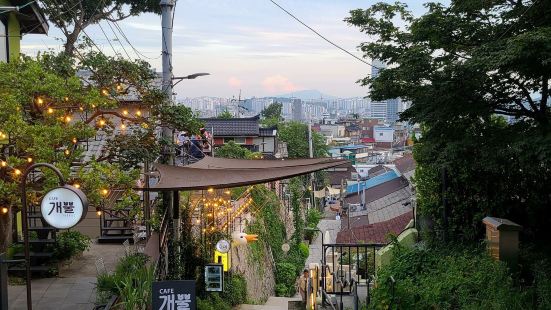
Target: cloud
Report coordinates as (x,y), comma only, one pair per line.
(278,83)
(235,82)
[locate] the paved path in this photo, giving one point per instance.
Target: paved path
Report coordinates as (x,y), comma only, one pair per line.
(75,286)
(273,303)
(333,226)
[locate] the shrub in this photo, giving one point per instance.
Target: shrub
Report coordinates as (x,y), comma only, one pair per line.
(285,276)
(70,244)
(446,278)
(303,250)
(235,289)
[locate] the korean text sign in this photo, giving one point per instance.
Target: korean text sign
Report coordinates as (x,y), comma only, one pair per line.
(174,295)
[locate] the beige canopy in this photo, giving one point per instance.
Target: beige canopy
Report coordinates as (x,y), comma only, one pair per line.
(226,173)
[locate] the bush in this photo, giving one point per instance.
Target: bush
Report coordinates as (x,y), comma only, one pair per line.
(131,280)
(446,278)
(212,302)
(304,250)
(70,244)
(235,289)
(285,276)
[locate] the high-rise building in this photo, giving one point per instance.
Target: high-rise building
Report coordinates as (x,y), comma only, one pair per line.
(387,110)
(297,110)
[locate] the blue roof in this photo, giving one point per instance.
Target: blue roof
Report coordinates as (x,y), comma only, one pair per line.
(351,147)
(369,183)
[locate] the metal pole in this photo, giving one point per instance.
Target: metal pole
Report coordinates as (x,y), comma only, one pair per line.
(167,7)
(24,220)
(147,206)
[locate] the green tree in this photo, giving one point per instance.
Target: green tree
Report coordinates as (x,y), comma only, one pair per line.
(234,150)
(460,65)
(295,134)
(271,115)
(73,16)
(225,115)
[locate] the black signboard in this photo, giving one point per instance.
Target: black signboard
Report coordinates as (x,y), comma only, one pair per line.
(174,295)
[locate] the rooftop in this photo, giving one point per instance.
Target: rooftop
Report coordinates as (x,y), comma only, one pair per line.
(375,233)
(233,127)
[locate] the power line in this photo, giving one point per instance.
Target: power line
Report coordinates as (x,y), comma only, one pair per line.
(320,35)
(109,41)
(518,20)
(131,45)
(116,36)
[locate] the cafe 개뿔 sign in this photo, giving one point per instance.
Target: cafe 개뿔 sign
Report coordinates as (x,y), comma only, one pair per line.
(174,295)
(64,207)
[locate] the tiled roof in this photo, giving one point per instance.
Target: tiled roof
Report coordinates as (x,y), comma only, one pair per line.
(233,127)
(379,191)
(268,132)
(374,233)
(405,163)
(339,173)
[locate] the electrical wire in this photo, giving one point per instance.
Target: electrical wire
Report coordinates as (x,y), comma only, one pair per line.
(516,22)
(130,43)
(320,35)
(117,37)
(109,41)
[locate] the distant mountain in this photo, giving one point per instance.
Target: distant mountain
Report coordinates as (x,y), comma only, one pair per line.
(307,94)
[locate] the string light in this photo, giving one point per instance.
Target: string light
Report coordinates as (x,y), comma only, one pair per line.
(5,210)
(123,126)
(39,100)
(139,113)
(75,140)
(125,112)
(81,108)
(66,98)
(67,118)
(3,163)
(29,159)
(67,152)
(119,87)
(210,190)
(102,122)
(50,110)
(98,212)
(104,92)
(76,185)
(17,172)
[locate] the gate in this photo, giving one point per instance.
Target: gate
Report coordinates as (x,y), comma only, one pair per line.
(345,266)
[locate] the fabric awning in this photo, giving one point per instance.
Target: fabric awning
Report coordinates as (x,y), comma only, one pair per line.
(227,173)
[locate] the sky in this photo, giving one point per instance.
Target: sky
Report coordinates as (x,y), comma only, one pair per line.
(247,45)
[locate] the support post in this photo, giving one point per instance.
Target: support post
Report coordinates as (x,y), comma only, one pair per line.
(25,224)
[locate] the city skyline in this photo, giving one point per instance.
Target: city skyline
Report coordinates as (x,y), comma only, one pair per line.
(246,45)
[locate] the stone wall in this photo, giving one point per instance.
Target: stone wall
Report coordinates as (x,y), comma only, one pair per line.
(259,275)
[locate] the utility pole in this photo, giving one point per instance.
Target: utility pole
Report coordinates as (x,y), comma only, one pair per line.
(311,151)
(167,7)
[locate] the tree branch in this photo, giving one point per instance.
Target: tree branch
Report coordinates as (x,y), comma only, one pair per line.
(544,93)
(117,114)
(526,94)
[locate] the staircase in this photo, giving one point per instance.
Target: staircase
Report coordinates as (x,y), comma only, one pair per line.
(115,223)
(42,239)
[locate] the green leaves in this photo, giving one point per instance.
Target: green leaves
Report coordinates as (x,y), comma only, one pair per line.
(295,134)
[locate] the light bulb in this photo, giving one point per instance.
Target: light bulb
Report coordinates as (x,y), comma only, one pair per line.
(75,140)
(50,110)
(76,185)
(101,122)
(5,210)
(125,112)
(123,126)
(3,163)
(67,119)
(67,152)
(98,212)
(139,113)
(30,159)
(39,100)
(17,172)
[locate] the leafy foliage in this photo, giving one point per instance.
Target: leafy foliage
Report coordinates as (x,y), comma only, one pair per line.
(73,16)
(446,278)
(460,65)
(295,134)
(70,243)
(131,280)
(271,115)
(234,150)
(225,115)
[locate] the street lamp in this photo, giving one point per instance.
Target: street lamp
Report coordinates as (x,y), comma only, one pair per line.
(188,77)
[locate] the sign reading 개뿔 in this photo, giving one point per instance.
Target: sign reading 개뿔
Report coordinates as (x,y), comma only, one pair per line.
(174,295)
(64,207)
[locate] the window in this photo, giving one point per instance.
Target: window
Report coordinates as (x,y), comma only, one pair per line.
(380,134)
(236,140)
(3,42)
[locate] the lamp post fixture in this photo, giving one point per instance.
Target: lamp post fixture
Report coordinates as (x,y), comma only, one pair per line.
(322,261)
(193,76)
